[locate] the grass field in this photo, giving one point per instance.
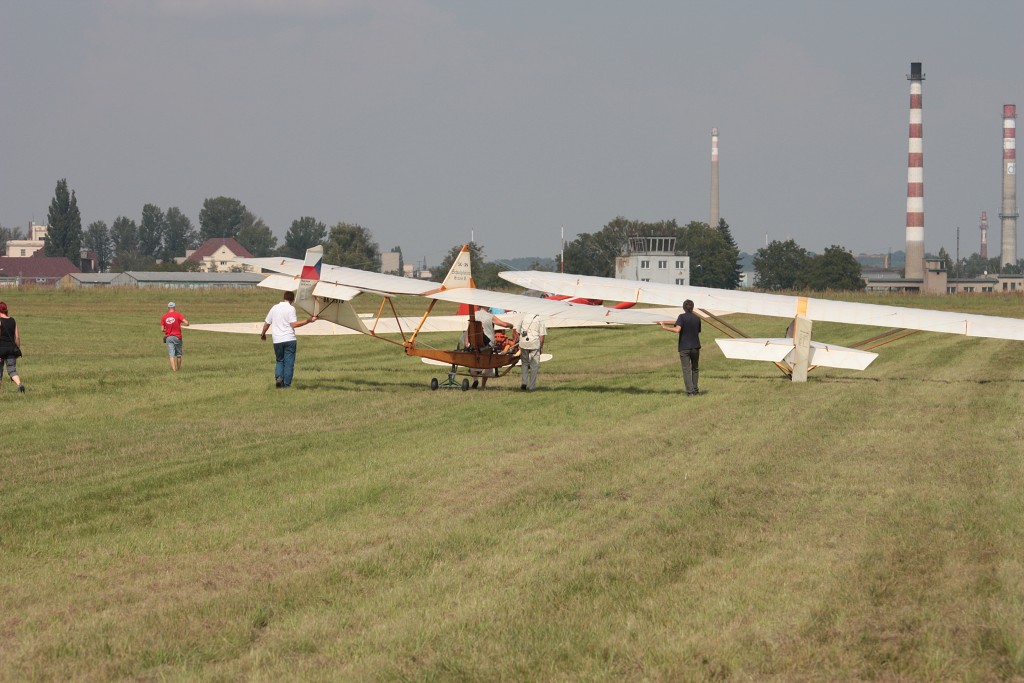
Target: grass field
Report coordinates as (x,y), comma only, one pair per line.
(203,526)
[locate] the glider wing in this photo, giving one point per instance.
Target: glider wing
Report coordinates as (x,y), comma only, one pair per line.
(776,305)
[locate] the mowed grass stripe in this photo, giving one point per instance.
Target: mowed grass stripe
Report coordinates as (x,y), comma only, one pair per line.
(205,526)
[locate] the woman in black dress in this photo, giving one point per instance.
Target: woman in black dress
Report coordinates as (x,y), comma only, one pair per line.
(10,346)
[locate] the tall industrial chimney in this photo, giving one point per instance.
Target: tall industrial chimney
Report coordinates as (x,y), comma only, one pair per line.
(713,219)
(984,235)
(915,180)
(1008,214)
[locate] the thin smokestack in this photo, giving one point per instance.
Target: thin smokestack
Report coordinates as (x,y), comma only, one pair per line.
(915,179)
(714,216)
(984,234)
(1008,215)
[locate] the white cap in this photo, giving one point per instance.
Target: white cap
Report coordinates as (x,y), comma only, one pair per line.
(170,304)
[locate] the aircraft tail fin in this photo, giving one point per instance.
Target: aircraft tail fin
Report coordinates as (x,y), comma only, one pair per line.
(460,275)
(314,261)
(308,279)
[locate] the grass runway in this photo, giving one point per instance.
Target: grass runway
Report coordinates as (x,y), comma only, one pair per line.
(204,526)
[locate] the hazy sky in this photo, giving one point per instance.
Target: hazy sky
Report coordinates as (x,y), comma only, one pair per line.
(427,121)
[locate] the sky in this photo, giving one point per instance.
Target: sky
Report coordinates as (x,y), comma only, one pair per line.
(431,122)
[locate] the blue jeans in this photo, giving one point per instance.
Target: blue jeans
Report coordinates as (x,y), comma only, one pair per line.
(285,354)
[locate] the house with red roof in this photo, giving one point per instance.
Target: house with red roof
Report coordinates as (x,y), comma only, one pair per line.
(38,269)
(217,255)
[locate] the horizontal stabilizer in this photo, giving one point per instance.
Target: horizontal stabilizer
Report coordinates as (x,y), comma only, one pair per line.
(778,350)
(282,283)
(277,264)
(329,290)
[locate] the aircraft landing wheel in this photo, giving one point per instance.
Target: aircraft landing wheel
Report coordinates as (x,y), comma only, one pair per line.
(465,385)
(433,384)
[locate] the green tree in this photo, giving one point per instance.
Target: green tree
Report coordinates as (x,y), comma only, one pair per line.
(352,246)
(595,253)
(96,239)
(151,231)
(64,235)
(713,255)
(305,232)
(7,234)
(975,266)
(1012,269)
(172,267)
(255,236)
(836,269)
(733,252)
(179,235)
(947,260)
(133,260)
(124,235)
(781,265)
(221,217)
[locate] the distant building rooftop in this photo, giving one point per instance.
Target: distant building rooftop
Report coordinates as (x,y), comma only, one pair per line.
(42,269)
(137,278)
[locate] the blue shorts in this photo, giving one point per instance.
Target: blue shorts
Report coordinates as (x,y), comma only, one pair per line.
(173,346)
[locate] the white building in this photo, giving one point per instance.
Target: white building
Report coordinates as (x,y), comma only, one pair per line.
(653,259)
(27,247)
(389,262)
(217,255)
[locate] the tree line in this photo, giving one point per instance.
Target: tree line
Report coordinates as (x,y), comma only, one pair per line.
(977,266)
(787,265)
(714,256)
(159,237)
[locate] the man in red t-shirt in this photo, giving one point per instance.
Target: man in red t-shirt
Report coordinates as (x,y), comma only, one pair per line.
(170,323)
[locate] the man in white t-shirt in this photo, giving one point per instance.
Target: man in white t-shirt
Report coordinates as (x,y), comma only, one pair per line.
(532,331)
(281,321)
(488,321)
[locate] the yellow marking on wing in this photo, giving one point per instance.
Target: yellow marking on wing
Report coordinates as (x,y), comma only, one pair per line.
(801,306)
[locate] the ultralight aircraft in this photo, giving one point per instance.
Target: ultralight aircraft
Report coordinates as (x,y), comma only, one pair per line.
(325,291)
(796,353)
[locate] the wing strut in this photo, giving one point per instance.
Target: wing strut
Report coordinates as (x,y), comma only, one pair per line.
(884,338)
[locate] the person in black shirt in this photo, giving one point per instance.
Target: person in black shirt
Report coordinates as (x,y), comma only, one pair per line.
(10,346)
(688,327)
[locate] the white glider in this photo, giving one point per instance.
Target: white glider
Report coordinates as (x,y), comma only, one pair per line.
(325,291)
(800,352)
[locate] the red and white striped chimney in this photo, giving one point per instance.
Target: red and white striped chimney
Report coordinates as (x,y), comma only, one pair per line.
(1008,214)
(915,180)
(984,234)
